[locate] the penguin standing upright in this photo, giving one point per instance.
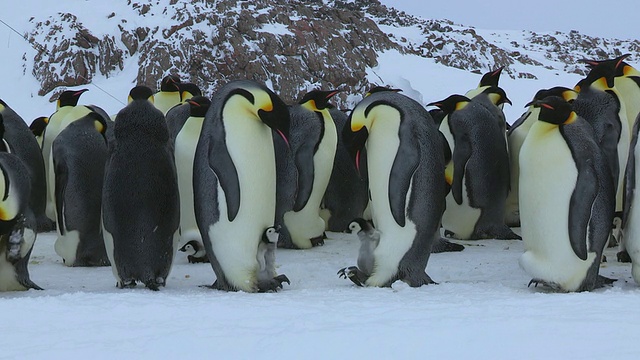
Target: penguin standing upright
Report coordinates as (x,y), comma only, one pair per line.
(489,79)
(406,162)
(630,252)
(17,224)
(515,137)
(169,94)
(369,240)
(79,154)
(24,146)
(268,278)
(347,193)
(178,114)
(184,152)
(37,127)
(140,205)
(235,179)
(313,144)
(567,200)
(479,170)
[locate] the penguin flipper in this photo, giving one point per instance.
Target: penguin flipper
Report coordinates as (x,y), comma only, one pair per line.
(518,122)
(404,166)
(61,179)
(225,170)
(305,167)
(461,154)
(580,206)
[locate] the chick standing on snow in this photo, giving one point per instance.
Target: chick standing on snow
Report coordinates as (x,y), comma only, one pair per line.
(268,278)
(369,240)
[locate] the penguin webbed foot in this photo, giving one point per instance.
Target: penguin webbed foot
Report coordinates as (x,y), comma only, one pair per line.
(220,285)
(27,283)
(130,284)
(318,240)
(197,260)
(623,256)
(354,274)
(443,245)
(419,280)
(16,238)
(274,284)
(536,282)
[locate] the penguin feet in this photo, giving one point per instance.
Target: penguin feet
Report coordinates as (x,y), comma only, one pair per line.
(354,274)
(536,282)
(28,284)
(274,284)
(130,284)
(623,256)
(16,239)
(195,260)
(443,245)
(220,285)
(318,240)
(419,280)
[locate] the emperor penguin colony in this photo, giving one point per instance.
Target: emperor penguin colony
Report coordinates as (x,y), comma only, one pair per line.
(228,178)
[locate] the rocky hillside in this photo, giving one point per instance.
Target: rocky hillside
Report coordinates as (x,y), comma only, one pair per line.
(293,46)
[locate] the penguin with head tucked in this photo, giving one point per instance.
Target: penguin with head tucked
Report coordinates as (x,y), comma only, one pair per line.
(489,79)
(479,169)
(369,240)
(567,200)
(178,114)
(188,91)
(313,140)
(79,154)
(347,193)
(268,278)
(23,144)
(37,127)
(169,94)
(515,137)
(17,224)
(235,179)
(140,177)
(406,162)
(185,145)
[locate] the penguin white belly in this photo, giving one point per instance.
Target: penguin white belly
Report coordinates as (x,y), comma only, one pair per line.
(307,223)
(515,140)
(632,228)
(8,276)
(460,219)
(446,131)
(67,246)
(165,100)
(185,150)
(235,243)
(547,179)
(108,245)
(623,152)
(630,96)
(395,240)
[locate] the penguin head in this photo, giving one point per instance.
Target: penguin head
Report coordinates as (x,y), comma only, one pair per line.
(555,110)
(497,95)
(270,235)
(70,97)
(38,125)
(357,225)
(317,99)
(452,103)
(355,141)
(189,90)
(198,106)
(600,77)
(190,247)
(567,94)
(491,78)
(170,83)
(141,93)
(617,64)
(378,88)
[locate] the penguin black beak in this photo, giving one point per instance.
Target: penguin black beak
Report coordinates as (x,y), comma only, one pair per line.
(355,141)
(278,118)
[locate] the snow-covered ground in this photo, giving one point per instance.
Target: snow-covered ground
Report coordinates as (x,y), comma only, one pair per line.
(481,309)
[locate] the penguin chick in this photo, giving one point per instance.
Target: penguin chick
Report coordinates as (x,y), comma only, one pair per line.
(268,279)
(196,252)
(369,240)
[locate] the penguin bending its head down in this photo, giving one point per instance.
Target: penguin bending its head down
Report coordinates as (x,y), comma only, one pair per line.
(140,206)
(195,252)
(567,200)
(369,240)
(37,127)
(268,278)
(489,79)
(405,163)
(169,94)
(17,225)
(235,179)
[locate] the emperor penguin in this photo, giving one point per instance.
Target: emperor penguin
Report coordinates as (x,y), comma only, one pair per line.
(347,193)
(489,79)
(188,91)
(479,170)
(195,252)
(17,225)
(567,200)
(405,163)
(599,103)
(185,145)
(178,114)
(313,139)
(268,278)
(369,240)
(515,137)
(630,252)
(23,144)
(37,127)
(67,110)
(79,155)
(235,179)
(169,94)
(140,204)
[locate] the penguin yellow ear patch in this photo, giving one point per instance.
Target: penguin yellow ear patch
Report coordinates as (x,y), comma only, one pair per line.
(98,125)
(572,118)
(267,107)
(448,173)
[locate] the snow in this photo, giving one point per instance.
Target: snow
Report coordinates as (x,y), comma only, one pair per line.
(480,309)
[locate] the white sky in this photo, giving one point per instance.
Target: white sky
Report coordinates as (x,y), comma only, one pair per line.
(592,17)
